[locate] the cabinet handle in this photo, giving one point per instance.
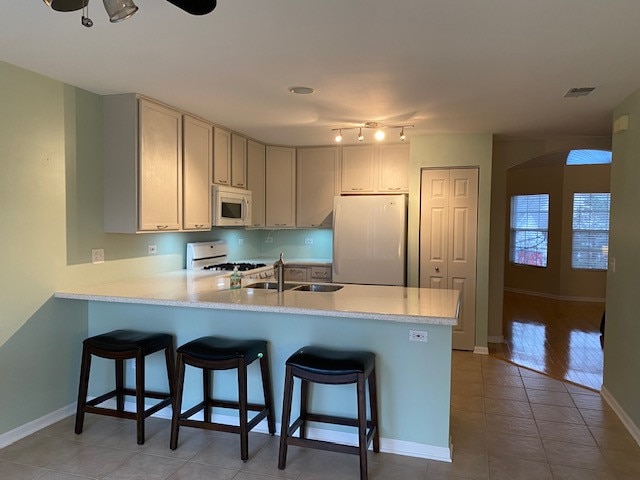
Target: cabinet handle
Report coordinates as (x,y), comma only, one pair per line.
(222,181)
(356,189)
(162,227)
(395,188)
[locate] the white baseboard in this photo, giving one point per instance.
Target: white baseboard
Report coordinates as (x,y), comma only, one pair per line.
(387,445)
(481,350)
(565,298)
(631,427)
(27,429)
(495,339)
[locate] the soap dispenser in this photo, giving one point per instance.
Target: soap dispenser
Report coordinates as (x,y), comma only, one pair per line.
(235,280)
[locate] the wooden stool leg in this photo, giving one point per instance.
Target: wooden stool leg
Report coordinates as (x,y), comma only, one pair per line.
(207,395)
(286,417)
(362,426)
(140,360)
(373,406)
(83,388)
(177,403)
(119,384)
(171,371)
(304,402)
(268,393)
(242,407)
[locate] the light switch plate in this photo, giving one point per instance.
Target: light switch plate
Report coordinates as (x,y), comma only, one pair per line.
(97,255)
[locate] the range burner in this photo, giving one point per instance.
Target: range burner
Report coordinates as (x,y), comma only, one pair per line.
(242,267)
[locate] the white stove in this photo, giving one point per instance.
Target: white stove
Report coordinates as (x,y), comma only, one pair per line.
(212,257)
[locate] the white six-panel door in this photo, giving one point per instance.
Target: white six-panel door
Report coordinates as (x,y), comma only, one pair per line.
(448,241)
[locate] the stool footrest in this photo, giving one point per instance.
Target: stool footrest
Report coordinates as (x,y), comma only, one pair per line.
(311,417)
(324,445)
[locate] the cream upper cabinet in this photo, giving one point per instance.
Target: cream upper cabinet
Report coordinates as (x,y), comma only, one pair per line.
(374,169)
(256,181)
(316,178)
(238,161)
(197,158)
(393,168)
(221,156)
(143,165)
(358,169)
(280,187)
(160,167)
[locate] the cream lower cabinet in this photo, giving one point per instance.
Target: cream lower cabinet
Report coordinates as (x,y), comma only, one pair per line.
(197,158)
(316,186)
(374,169)
(143,165)
(280,192)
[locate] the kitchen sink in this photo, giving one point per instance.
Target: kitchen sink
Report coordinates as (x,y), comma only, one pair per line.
(271,285)
(318,287)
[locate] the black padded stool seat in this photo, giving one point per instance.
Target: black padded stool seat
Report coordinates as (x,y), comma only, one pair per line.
(216,353)
(332,367)
(121,345)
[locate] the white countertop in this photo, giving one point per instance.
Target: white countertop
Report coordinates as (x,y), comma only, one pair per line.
(203,290)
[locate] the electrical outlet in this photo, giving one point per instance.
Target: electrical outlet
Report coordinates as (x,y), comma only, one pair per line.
(97,255)
(152,249)
(418,336)
(241,241)
(268,239)
(308,241)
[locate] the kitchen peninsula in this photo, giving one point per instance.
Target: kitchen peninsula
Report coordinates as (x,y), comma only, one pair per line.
(414,377)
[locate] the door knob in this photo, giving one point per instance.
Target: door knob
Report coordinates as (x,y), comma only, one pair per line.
(437,269)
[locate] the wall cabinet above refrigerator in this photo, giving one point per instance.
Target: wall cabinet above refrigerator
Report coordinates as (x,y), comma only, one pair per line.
(369,169)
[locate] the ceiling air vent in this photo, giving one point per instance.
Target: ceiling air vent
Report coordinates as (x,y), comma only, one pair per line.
(579,92)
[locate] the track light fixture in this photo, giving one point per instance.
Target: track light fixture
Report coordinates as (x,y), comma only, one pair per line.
(378,127)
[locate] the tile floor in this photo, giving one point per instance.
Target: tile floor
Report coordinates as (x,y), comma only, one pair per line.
(507,423)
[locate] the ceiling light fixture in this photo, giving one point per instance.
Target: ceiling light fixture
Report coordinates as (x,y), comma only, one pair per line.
(378,127)
(119,10)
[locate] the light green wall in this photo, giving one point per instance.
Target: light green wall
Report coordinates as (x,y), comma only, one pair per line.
(454,151)
(51,216)
(622,350)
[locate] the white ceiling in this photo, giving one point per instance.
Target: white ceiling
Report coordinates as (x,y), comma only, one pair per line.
(447,66)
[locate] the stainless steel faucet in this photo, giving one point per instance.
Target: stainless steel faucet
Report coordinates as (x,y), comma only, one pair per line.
(279,268)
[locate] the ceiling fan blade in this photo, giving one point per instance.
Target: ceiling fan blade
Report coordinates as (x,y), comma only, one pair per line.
(195,7)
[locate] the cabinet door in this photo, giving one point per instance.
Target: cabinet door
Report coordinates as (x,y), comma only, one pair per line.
(238,161)
(316,171)
(393,168)
(197,156)
(358,169)
(160,200)
(256,181)
(295,274)
(280,187)
(221,156)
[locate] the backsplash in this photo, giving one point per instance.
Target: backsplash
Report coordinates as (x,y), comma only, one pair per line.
(268,244)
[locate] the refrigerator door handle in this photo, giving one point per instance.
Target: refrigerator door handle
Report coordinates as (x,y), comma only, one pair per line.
(336,256)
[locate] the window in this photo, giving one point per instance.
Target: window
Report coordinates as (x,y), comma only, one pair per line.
(588,157)
(590,246)
(529,229)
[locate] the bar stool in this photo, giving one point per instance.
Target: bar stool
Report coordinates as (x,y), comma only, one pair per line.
(121,345)
(332,367)
(215,353)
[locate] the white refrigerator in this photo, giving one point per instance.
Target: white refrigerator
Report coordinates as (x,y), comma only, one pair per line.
(369,239)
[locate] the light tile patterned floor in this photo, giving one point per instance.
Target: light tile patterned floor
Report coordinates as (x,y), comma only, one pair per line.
(559,338)
(506,423)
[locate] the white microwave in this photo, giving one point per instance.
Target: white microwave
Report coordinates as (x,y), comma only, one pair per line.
(231,206)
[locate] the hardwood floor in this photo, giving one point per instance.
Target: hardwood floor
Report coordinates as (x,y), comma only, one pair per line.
(558,338)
